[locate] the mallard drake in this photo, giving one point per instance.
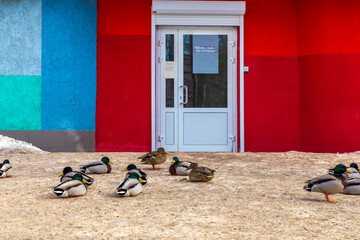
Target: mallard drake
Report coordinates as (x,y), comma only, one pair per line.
(154,158)
(6,169)
(132,168)
(355,170)
(68,173)
(181,168)
(101,166)
(201,174)
(71,188)
(329,184)
(130,186)
(353,187)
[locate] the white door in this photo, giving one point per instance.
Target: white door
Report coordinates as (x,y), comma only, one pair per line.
(196,89)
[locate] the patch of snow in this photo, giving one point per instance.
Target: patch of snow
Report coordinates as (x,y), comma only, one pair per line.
(11,146)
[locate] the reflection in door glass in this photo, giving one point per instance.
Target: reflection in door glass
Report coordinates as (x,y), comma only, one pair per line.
(206,90)
(170,92)
(169,47)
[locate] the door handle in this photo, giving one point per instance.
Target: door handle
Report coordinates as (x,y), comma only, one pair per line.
(186,96)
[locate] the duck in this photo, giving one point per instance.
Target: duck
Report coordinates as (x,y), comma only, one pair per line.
(132,168)
(6,169)
(130,186)
(154,158)
(71,188)
(68,173)
(201,174)
(181,168)
(355,170)
(353,187)
(329,184)
(99,167)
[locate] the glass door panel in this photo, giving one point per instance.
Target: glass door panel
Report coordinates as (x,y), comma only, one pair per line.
(205,115)
(205,71)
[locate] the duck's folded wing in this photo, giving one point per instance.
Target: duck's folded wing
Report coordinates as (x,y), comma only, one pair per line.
(68,184)
(353,181)
(122,183)
(92,164)
(149,155)
(132,184)
(142,173)
(324,178)
(206,170)
(6,167)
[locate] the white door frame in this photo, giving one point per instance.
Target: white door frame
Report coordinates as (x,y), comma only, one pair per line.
(198,13)
(173,138)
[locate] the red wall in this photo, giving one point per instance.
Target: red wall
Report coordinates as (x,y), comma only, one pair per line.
(271,85)
(123,105)
(123,117)
(329,74)
(300,92)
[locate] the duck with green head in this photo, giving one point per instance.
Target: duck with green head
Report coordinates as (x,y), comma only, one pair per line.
(68,173)
(6,169)
(329,184)
(353,171)
(133,168)
(99,167)
(71,188)
(181,168)
(154,158)
(130,186)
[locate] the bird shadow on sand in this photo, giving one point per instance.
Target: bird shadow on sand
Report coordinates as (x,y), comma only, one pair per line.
(189,181)
(167,174)
(151,169)
(47,196)
(311,200)
(112,195)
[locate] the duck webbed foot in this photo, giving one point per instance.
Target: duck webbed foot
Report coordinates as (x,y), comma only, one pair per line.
(328,199)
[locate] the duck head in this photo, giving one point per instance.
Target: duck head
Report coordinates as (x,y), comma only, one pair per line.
(161,150)
(176,160)
(65,171)
(106,160)
(354,165)
(340,169)
(130,167)
(79,177)
(136,176)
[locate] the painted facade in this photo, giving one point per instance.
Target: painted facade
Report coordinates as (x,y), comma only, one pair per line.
(79,66)
(48,72)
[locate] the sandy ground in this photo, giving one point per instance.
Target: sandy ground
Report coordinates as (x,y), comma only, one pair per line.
(253,196)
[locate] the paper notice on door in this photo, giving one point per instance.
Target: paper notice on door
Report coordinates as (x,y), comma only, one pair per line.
(169,69)
(206,54)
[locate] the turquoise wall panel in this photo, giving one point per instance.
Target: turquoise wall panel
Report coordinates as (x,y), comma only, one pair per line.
(20,102)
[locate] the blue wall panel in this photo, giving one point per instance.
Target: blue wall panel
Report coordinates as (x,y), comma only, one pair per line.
(20,37)
(68,64)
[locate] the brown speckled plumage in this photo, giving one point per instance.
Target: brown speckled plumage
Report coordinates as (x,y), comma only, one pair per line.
(154,158)
(201,174)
